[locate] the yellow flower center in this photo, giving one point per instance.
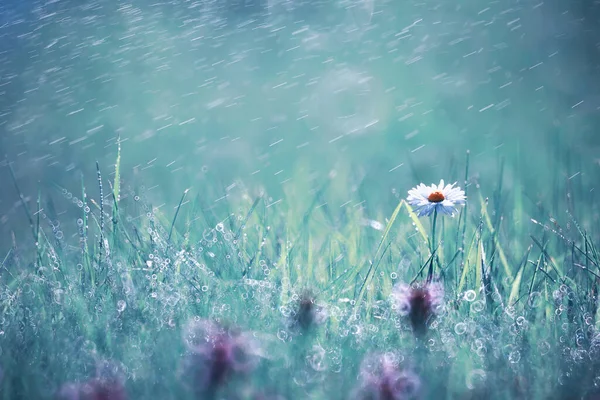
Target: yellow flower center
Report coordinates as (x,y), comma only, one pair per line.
(436,197)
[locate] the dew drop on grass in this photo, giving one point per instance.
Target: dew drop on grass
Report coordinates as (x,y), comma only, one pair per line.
(477,306)
(282,335)
(205,288)
(481,351)
(285,311)
(394,275)
(514,356)
(460,328)
(58,296)
(510,311)
(89,347)
(558,312)
(535,299)
(121,305)
(79,222)
(470,295)
(475,378)
(356,330)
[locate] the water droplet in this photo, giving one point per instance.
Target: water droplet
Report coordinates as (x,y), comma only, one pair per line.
(121,305)
(316,358)
(481,351)
(282,335)
(470,295)
(514,356)
(477,306)
(475,378)
(460,328)
(58,296)
(543,347)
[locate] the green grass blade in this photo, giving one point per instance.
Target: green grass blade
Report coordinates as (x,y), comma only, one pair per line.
(373,267)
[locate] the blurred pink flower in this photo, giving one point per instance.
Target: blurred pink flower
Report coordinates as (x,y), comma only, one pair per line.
(108,384)
(419,303)
(382,378)
(306,312)
(93,389)
(215,355)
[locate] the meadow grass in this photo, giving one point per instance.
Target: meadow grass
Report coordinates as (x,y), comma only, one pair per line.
(120,282)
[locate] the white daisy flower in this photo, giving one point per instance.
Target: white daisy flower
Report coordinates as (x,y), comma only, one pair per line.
(426,199)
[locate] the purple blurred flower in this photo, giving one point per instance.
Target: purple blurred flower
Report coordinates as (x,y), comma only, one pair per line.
(419,303)
(382,378)
(306,313)
(108,384)
(215,355)
(104,389)
(93,389)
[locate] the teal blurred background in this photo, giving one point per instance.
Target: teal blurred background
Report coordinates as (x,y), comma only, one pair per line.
(207,93)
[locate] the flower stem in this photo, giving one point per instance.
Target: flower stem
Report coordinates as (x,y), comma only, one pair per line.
(432,244)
